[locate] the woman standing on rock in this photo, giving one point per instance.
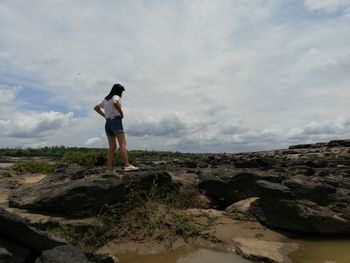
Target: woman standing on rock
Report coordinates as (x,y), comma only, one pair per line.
(113,114)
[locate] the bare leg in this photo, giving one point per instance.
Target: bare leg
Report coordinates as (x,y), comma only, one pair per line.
(111,150)
(122,148)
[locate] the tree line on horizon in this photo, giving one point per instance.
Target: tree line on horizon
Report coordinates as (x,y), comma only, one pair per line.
(61,151)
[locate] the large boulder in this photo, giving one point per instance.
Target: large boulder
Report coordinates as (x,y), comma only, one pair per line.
(15,228)
(71,197)
(314,189)
(278,206)
(12,252)
(229,185)
(19,242)
(74,194)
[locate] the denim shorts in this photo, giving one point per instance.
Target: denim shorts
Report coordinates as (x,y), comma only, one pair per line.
(113,126)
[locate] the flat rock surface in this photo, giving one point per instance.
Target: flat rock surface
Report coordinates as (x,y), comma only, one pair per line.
(264,251)
(78,192)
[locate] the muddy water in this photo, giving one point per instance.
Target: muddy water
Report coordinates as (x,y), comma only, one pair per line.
(322,251)
(186,256)
(310,251)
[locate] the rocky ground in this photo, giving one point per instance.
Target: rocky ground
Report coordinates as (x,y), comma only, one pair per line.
(245,202)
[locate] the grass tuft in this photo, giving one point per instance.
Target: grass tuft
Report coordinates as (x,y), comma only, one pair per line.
(33,167)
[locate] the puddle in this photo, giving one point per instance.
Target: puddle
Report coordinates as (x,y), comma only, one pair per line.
(322,251)
(186,256)
(310,251)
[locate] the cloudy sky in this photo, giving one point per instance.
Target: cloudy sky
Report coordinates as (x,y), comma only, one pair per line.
(200,75)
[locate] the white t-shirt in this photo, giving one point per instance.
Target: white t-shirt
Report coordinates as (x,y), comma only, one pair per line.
(109,109)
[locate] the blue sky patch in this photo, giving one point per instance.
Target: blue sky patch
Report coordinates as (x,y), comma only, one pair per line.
(32,97)
(41,100)
(292,12)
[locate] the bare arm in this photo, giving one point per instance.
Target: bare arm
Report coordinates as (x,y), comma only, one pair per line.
(119,109)
(99,111)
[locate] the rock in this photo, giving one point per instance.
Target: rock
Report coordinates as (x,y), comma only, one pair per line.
(21,241)
(69,254)
(6,173)
(334,143)
(188,163)
(70,171)
(76,196)
(317,163)
(12,252)
(14,228)
(306,189)
(215,160)
(339,143)
(255,162)
(63,254)
(229,185)
(71,197)
(300,215)
(269,190)
(264,251)
(314,190)
(102,258)
(305,203)
(308,146)
(5,256)
(242,206)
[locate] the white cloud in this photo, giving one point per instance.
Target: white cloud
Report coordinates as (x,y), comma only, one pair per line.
(169,126)
(19,123)
(339,128)
(92,141)
(36,125)
(199,75)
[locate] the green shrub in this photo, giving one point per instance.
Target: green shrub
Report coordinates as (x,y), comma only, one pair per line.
(85,237)
(88,160)
(278,162)
(93,158)
(185,225)
(33,167)
(142,215)
(160,154)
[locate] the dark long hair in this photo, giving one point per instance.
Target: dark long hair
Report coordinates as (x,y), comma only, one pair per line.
(117,89)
